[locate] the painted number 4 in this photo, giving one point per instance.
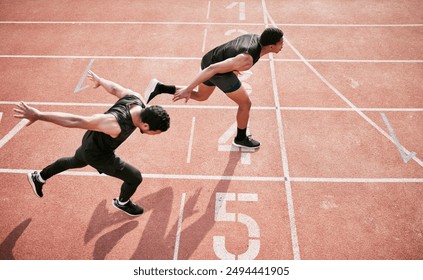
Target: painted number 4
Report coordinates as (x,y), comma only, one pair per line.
(221,215)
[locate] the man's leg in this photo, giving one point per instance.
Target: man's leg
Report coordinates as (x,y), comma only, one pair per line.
(155,88)
(131,178)
(241,98)
(202,93)
(37,180)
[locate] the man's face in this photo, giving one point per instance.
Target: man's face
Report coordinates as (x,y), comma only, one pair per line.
(152,132)
(145,129)
(278,46)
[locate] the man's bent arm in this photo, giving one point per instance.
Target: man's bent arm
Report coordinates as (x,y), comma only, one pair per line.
(239,63)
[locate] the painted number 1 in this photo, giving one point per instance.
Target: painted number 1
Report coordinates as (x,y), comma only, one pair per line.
(241,9)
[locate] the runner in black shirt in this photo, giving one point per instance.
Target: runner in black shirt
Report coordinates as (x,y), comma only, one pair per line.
(105,133)
(220,68)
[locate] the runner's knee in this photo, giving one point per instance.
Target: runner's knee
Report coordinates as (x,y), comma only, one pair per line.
(137,178)
(245,104)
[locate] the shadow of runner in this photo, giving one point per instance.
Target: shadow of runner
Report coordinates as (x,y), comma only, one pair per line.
(156,242)
(6,247)
(160,203)
(108,241)
(195,233)
(102,219)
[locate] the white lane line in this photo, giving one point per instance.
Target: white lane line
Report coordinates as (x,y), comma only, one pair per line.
(208,10)
(178,232)
(406,158)
(100,57)
(191,139)
(203,47)
(212,23)
(352,60)
(226,107)
(199,58)
(234,178)
(133,23)
(288,189)
(242,13)
(13,132)
(355,180)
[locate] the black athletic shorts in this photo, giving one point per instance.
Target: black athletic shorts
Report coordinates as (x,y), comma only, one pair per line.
(226,82)
(108,164)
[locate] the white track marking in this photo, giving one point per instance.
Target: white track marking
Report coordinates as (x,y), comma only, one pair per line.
(405,157)
(191,139)
(235,178)
(203,47)
(208,10)
(199,58)
(346,109)
(79,86)
(209,23)
(178,232)
(13,132)
(288,189)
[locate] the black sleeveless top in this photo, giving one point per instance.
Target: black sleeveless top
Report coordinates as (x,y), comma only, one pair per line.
(99,146)
(248,43)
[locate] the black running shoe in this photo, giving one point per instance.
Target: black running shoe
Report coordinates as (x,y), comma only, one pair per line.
(36,185)
(129,208)
(152,90)
(247,142)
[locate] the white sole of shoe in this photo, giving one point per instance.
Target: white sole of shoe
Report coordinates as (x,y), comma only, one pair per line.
(150,88)
(114,205)
(245,147)
(29,177)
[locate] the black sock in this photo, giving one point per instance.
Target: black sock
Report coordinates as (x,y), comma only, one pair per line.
(241,134)
(166,88)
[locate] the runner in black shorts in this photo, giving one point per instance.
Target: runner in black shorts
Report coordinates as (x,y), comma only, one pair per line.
(220,68)
(105,133)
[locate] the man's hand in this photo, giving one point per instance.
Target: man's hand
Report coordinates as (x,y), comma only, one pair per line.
(183,93)
(95,78)
(23,111)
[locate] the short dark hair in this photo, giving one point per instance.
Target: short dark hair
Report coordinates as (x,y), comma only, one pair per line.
(156,117)
(270,36)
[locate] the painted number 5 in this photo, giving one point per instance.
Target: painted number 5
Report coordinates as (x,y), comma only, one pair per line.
(221,215)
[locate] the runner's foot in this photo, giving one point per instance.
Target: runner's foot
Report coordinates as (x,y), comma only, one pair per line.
(152,90)
(129,208)
(247,142)
(36,185)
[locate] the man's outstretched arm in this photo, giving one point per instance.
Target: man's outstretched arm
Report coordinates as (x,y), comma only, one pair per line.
(110,86)
(105,123)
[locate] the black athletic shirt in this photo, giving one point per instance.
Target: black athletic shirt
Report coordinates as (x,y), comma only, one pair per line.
(98,146)
(248,43)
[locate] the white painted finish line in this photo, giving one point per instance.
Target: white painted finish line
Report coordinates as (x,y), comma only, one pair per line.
(234,178)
